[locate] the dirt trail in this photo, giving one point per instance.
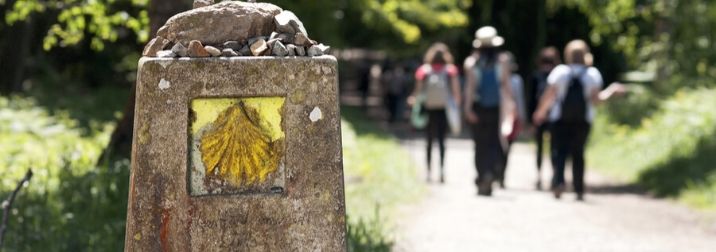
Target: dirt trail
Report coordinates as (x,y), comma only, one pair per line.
(453,218)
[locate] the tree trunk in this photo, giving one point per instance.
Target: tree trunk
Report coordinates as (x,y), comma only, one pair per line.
(120,143)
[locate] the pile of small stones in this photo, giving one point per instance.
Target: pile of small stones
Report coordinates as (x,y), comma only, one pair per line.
(289,38)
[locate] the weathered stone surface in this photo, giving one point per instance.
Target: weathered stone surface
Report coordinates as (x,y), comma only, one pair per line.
(221,22)
(279,49)
(285,38)
(314,51)
(259,47)
(300,39)
(323,48)
(180,50)
(245,51)
(300,51)
(166,54)
(228,52)
(235,45)
(253,40)
(213,51)
(307,215)
(196,49)
(202,3)
(291,50)
(155,45)
(287,22)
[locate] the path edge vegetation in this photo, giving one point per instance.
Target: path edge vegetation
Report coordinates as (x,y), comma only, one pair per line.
(665,147)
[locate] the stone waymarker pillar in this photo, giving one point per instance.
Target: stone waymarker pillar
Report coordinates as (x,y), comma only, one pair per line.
(236,136)
(269,128)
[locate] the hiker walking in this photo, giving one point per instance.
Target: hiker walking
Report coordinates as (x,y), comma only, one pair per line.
(436,87)
(547,60)
(487,91)
(570,98)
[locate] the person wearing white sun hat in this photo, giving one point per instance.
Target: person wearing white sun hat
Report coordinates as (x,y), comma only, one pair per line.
(487,95)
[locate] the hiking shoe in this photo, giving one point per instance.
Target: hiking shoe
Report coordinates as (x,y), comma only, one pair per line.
(557,191)
(580,196)
(484,187)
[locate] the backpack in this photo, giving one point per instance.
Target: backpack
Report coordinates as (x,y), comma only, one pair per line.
(436,88)
(488,90)
(574,103)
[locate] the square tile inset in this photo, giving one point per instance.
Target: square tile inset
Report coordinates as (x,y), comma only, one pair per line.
(237,145)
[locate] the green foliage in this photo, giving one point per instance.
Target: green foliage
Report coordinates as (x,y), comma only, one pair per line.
(408,18)
(99,20)
(672,38)
(378,174)
(70,204)
(670,152)
(640,103)
(396,25)
(368,235)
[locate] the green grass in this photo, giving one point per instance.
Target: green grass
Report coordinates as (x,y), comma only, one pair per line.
(380,176)
(672,152)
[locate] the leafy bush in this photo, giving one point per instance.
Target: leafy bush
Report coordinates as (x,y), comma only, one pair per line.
(670,153)
(70,204)
(639,104)
(368,235)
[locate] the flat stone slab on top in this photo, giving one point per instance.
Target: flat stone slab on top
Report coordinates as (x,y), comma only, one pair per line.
(236,154)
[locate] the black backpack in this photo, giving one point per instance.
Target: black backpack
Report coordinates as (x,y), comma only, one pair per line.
(574,103)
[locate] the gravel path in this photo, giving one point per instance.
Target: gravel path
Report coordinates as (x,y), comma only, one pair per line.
(453,218)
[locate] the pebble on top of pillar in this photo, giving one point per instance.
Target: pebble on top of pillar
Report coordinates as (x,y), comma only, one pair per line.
(238,137)
(233,25)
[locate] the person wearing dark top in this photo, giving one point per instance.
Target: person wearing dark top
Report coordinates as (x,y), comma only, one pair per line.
(487,94)
(547,60)
(569,104)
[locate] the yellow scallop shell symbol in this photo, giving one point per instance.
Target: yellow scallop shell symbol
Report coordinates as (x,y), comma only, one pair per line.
(238,149)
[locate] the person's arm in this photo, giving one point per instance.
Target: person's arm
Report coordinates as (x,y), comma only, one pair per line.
(470,81)
(545,103)
(455,86)
(615,89)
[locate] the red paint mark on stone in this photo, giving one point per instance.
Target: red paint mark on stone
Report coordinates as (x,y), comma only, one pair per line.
(164,230)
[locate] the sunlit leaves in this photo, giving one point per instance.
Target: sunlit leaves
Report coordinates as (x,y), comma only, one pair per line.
(77,19)
(668,36)
(408,18)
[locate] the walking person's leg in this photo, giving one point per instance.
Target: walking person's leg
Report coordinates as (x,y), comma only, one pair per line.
(503,165)
(441,131)
(559,150)
(579,141)
(482,150)
(430,135)
(539,138)
(476,140)
(489,149)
